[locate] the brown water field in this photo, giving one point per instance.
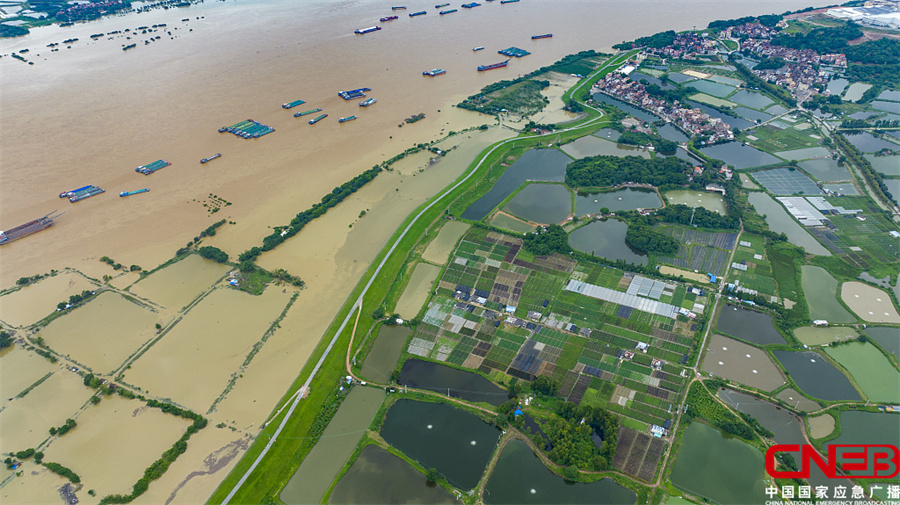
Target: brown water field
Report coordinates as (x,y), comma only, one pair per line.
(107,432)
(869,303)
(812,335)
(176,285)
(820,426)
(32,303)
(102,333)
(210,342)
(439,249)
(740,362)
(21,369)
(797,401)
(417,290)
(36,485)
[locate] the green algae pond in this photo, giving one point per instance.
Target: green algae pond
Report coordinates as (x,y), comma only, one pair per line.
(520,477)
(709,200)
(542,203)
(378,477)
(723,469)
(870,369)
(820,289)
(456,443)
(385,353)
(606,239)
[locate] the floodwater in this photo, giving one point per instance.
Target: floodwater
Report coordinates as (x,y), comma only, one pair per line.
(887,337)
(448,380)
(606,239)
(709,200)
(781,222)
(534,165)
(176,285)
(620,199)
(738,155)
(519,477)
(868,143)
(102,333)
(37,301)
(379,477)
(870,369)
(318,470)
(592,146)
(887,165)
(740,362)
(820,289)
(749,325)
(825,169)
(725,470)
(211,342)
(440,248)
(105,432)
(417,291)
(816,376)
(20,370)
(385,352)
(542,203)
(507,222)
(869,303)
(458,444)
(812,335)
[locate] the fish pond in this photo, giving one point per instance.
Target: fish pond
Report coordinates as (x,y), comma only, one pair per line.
(734,122)
(868,143)
(816,376)
(456,383)
(542,203)
(385,353)
(781,222)
(887,337)
(709,200)
(870,369)
(820,289)
(456,443)
(751,99)
(868,428)
(377,477)
(723,469)
(534,165)
(593,146)
(620,199)
(520,477)
(825,169)
(606,239)
(749,325)
(670,132)
(738,155)
(887,165)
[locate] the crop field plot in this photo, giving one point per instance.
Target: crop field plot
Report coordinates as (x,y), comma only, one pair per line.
(774,140)
(699,250)
(866,243)
(638,454)
(755,271)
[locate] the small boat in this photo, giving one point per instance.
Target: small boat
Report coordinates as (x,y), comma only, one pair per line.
(470,5)
(479,48)
(362,31)
(435,71)
(448,11)
(544,36)
(135,192)
(420,13)
(367,102)
(306,112)
(345,119)
(387,18)
(399,8)
(214,156)
(438,6)
(318,118)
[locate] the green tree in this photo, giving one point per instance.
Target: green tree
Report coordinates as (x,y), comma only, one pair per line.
(214,253)
(571,473)
(548,241)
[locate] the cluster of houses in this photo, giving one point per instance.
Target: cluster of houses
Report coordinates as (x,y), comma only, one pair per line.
(688,45)
(693,121)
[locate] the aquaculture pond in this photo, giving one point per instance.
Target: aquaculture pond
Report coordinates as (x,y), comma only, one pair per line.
(887,337)
(893,186)
(385,353)
(836,86)
(608,134)
(868,428)
(738,155)
(887,165)
(781,222)
(606,239)
(377,477)
(520,477)
(709,200)
(868,143)
(620,199)
(749,325)
(820,289)
(872,372)
(590,145)
(751,99)
(534,165)
(619,104)
(510,223)
(669,132)
(542,203)
(448,380)
(456,443)
(816,376)
(723,469)
(825,169)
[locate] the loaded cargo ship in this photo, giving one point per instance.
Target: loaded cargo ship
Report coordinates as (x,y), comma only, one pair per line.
(67,194)
(214,156)
(135,192)
(387,18)
(354,93)
(448,11)
(435,71)
(362,31)
(438,6)
(318,118)
(307,112)
(507,1)
(345,119)
(152,167)
(293,104)
(39,224)
(87,193)
(470,5)
(482,68)
(479,48)
(367,102)
(544,36)
(399,8)
(420,13)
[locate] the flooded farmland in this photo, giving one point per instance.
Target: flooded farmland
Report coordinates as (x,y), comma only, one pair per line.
(448,380)
(520,478)
(542,203)
(726,470)
(176,285)
(317,471)
(750,325)
(385,353)
(817,377)
(620,199)
(439,249)
(606,239)
(458,444)
(21,369)
(379,477)
(707,199)
(32,303)
(740,362)
(820,289)
(417,290)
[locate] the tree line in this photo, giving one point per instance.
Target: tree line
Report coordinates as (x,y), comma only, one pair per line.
(599,171)
(875,180)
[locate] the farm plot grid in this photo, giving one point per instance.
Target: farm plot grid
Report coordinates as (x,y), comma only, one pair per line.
(751,270)
(700,251)
(628,361)
(866,243)
(638,454)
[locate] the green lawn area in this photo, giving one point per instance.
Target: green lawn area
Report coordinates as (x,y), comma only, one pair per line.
(872,371)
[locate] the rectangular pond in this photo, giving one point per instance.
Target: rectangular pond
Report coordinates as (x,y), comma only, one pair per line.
(868,143)
(826,169)
(781,222)
(887,165)
(748,325)
(377,476)
(752,99)
(620,199)
(874,374)
(385,353)
(820,289)
(817,377)
(739,156)
(450,381)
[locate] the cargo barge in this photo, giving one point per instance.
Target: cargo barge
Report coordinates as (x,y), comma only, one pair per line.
(482,68)
(248,129)
(87,193)
(479,48)
(307,112)
(66,194)
(363,31)
(448,11)
(354,93)
(399,8)
(544,36)
(135,192)
(470,5)
(318,118)
(152,167)
(507,1)
(387,18)
(438,6)
(28,228)
(345,119)
(513,52)
(214,156)
(291,105)
(367,102)
(435,71)
(420,13)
